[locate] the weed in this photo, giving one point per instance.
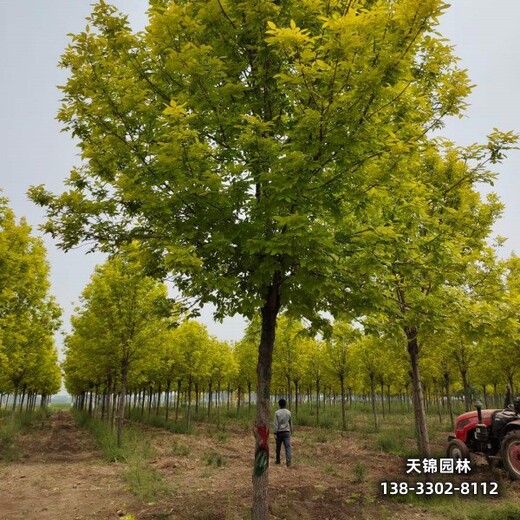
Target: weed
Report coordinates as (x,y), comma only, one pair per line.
(330,469)
(180,449)
(359,473)
(322,437)
(214,459)
(11,426)
(145,482)
(392,441)
(222,436)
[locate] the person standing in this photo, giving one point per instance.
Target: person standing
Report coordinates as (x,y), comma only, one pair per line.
(283,431)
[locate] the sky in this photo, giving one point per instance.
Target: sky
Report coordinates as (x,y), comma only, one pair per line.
(33,150)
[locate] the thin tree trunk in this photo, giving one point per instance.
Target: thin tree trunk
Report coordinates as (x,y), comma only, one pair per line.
(423,441)
(168,387)
(343,417)
(122,403)
(296,398)
(188,413)
(448,397)
(373,400)
(210,397)
(317,402)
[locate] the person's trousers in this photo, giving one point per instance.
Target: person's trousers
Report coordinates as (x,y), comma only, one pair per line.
(285,439)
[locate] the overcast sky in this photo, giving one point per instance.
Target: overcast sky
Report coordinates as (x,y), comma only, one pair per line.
(33,34)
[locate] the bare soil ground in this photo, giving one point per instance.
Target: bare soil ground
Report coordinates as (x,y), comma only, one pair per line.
(60,475)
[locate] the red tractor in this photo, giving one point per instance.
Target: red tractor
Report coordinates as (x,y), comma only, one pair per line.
(492,433)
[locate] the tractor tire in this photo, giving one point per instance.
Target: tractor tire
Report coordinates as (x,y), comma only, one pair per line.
(511,454)
(457,450)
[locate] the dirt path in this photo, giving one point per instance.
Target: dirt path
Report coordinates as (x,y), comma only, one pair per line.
(60,476)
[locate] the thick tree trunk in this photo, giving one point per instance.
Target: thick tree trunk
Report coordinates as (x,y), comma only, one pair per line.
(423,441)
(260,508)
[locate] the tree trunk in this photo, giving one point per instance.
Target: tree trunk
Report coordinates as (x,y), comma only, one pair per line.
(382,386)
(229,392)
(168,388)
(448,397)
(289,392)
(177,401)
(188,398)
(373,400)
(317,402)
(260,509)
(465,384)
(296,398)
(210,397)
(343,418)
(423,441)
(158,404)
(122,402)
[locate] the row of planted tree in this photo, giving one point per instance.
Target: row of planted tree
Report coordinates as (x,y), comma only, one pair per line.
(129,340)
(29,317)
(278,156)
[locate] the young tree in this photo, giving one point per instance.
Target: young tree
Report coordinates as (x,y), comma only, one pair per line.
(339,357)
(29,316)
(227,136)
(122,316)
(428,225)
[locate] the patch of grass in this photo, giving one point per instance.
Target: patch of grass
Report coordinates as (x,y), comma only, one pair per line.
(330,469)
(359,473)
(11,426)
(180,449)
(144,481)
(322,437)
(158,421)
(8,431)
(392,441)
(136,450)
(214,459)
(222,436)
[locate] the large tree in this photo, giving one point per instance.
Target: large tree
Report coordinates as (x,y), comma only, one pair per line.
(228,135)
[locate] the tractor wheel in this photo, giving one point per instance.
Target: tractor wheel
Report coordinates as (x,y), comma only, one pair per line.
(511,454)
(457,450)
